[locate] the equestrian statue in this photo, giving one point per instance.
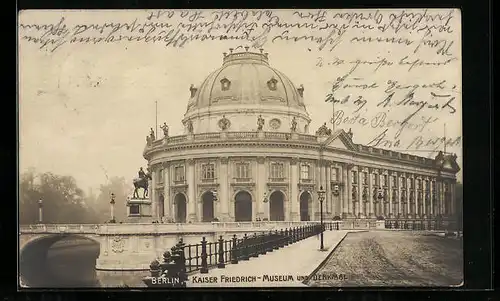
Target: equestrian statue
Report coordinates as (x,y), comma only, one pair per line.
(142,182)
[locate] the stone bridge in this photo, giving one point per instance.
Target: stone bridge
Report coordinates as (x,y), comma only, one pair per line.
(132,246)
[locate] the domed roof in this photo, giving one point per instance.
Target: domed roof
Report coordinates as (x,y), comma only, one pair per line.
(246,78)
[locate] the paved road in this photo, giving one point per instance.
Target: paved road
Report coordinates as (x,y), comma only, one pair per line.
(389,258)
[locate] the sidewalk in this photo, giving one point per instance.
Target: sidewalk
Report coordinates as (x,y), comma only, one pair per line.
(284,267)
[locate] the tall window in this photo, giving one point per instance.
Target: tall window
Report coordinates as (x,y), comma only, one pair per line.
(393,181)
(305,172)
(159,178)
(375,179)
(403,182)
(419,183)
(277,171)
(179,174)
(384,179)
(427,188)
(208,171)
(412,182)
(242,170)
(365,178)
(335,174)
(354,177)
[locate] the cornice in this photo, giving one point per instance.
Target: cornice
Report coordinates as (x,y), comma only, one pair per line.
(279,144)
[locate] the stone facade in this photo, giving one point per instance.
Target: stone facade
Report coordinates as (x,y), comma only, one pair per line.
(247,154)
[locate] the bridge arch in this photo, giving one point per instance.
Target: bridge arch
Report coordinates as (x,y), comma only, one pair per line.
(34,251)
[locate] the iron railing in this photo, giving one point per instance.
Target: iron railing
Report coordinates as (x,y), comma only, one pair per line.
(184,259)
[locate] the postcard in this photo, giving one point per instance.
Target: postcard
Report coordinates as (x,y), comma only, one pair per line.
(240,148)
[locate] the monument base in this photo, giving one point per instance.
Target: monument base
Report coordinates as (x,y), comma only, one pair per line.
(139,211)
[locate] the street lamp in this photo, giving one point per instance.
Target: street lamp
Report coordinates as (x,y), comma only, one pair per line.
(40,211)
(321,198)
(112,203)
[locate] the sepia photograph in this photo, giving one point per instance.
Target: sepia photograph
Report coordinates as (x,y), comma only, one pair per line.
(240,148)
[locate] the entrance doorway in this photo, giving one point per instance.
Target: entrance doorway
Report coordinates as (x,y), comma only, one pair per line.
(208,206)
(180,208)
(277,206)
(243,207)
(305,199)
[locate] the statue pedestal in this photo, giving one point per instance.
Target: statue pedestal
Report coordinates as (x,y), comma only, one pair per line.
(139,211)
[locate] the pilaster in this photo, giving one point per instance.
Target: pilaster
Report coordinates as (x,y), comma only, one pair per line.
(294,194)
(389,192)
(345,190)
(262,208)
(328,188)
(152,193)
(191,190)
(371,213)
(224,199)
(167,202)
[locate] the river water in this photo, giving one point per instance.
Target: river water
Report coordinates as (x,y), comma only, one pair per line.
(72,264)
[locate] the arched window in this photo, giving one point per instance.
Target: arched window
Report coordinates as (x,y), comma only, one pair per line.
(208,171)
(305,172)
(277,170)
(242,170)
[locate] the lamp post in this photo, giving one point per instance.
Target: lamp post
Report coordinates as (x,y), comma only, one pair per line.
(265,200)
(40,211)
(321,198)
(112,204)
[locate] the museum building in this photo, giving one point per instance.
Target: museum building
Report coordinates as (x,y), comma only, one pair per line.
(247,154)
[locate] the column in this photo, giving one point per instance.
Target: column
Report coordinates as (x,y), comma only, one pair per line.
(408,212)
(425,183)
(345,191)
(340,198)
(152,193)
(224,198)
(370,192)
(325,188)
(431,191)
(329,196)
(441,197)
(452,199)
(415,197)
(314,193)
(360,192)
(294,193)
(166,191)
(389,192)
(262,208)
(398,183)
(350,186)
(191,190)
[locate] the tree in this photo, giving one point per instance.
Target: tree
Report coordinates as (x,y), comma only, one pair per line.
(63,200)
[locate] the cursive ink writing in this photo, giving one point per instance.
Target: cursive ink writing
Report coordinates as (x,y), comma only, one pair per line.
(325,30)
(430,144)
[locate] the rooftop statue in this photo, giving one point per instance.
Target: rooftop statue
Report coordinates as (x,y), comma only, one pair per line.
(260,123)
(164,127)
(350,134)
(189,126)
(224,123)
(294,125)
(152,135)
